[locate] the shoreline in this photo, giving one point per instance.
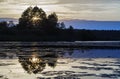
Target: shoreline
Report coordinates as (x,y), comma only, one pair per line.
(76,44)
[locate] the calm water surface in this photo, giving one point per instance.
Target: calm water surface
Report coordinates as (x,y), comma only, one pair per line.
(58,63)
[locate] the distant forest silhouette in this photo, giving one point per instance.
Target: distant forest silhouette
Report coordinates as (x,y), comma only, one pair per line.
(35,25)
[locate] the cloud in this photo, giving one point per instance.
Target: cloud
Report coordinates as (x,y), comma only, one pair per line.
(88,1)
(77,9)
(2,1)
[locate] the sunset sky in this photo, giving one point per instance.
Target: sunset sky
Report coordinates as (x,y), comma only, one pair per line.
(65,9)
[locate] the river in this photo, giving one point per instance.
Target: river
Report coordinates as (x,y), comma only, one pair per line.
(58,63)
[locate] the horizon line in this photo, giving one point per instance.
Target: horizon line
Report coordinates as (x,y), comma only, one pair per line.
(68,19)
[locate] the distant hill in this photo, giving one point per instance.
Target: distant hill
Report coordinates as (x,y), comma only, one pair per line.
(9,19)
(93,25)
(83,24)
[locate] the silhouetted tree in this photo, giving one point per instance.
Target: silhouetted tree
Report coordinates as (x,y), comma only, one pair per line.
(70,27)
(25,20)
(3,25)
(38,16)
(62,25)
(87,35)
(71,30)
(53,19)
(32,17)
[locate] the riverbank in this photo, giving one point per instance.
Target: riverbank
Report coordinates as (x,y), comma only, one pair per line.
(90,44)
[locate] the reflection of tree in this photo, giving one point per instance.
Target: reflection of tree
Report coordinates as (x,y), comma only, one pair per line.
(36,63)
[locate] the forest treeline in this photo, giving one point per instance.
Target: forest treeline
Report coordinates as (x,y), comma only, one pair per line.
(35,25)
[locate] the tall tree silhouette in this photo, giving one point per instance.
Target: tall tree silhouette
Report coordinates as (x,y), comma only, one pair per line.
(32,17)
(25,20)
(38,16)
(62,25)
(53,19)
(3,25)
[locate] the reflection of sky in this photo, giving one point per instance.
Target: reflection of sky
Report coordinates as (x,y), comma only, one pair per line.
(66,9)
(66,66)
(82,63)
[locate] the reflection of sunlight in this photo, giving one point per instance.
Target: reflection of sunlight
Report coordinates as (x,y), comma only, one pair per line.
(35,59)
(36,63)
(35,18)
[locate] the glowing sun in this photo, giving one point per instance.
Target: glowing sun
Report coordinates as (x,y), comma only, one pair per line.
(35,18)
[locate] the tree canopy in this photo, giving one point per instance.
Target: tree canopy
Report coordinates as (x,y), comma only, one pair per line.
(35,17)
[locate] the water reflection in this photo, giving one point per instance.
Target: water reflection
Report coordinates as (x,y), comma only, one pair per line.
(59,63)
(35,63)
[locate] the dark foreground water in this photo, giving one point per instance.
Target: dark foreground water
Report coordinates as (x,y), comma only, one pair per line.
(59,63)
